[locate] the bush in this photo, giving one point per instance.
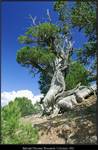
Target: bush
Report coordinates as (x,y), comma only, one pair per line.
(38,108)
(26,106)
(10,118)
(12,131)
(77,73)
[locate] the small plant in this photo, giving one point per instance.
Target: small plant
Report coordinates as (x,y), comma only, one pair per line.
(12,131)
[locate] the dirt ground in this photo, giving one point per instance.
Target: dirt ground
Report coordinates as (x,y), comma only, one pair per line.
(77,126)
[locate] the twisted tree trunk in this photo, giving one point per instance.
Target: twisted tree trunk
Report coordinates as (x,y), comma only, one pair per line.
(60,67)
(57,86)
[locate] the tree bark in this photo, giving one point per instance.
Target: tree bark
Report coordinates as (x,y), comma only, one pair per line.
(60,67)
(57,86)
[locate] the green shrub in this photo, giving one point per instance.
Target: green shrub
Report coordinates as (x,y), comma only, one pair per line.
(38,108)
(10,115)
(26,106)
(77,73)
(14,132)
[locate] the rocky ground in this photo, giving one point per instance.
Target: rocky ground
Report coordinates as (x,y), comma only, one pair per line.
(77,126)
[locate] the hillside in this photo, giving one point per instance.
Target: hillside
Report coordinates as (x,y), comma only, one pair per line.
(77,126)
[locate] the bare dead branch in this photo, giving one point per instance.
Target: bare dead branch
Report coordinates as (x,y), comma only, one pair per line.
(48,14)
(33,19)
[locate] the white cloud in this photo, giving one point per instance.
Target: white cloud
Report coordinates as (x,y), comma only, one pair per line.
(6,97)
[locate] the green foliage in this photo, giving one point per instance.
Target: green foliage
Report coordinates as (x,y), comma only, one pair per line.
(12,131)
(38,57)
(59,7)
(42,34)
(77,73)
(25,105)
(84,16)
(81,15)
(38,108)
(33,56)
(44,83)
(87,54)
(25,40)
(43,30)
(42,54)
(11,114)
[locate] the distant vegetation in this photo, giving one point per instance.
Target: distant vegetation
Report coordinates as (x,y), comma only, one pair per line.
(13,131)
(26,106)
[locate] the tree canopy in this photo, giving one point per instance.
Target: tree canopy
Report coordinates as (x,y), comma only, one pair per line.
(40,46)
(81,15)
(40,56)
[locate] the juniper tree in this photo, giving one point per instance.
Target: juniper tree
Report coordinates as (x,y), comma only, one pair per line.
(49,55)
(48,51)
(81,15)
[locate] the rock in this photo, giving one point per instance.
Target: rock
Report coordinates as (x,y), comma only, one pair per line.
(93,139)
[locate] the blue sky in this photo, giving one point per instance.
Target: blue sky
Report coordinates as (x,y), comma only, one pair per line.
(15,21)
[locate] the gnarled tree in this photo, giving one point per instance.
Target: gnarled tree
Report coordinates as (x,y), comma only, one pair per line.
(48,50)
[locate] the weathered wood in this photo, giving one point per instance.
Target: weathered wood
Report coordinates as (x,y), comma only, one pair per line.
(57,96)
(84,91)
(67,102)
(79,95)
(57,86)
(60,65)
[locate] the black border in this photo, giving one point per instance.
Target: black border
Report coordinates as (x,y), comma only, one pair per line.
(52,146)
(97,68)
(48,147)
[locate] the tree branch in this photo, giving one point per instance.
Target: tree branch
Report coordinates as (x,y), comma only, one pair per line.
(48,14)
(59,46)
(33,19)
